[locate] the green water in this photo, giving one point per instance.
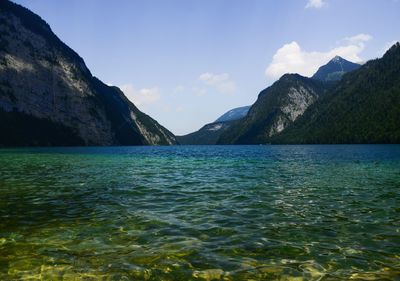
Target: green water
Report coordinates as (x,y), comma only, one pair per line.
(200,213)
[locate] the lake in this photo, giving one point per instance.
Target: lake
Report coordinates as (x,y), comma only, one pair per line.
(318,212)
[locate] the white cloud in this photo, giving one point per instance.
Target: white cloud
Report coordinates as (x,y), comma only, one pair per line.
(315,4)
(291,58)
(359,38)
(222,82)
(141,97)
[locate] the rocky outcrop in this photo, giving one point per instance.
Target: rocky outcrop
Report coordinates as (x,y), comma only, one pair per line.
(298,100)
(364,107)
(44,81)
(276,108)
(280,105)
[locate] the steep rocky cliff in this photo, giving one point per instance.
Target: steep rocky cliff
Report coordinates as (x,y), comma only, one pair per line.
(276,108)
(49,97)
(364,107)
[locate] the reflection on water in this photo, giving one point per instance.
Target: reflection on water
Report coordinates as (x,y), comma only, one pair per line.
(200,213)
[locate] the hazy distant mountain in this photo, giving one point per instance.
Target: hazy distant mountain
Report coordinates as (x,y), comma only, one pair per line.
(234,114)
(276,107)
(363,108)
(334,69)
(49,97)
(210,133)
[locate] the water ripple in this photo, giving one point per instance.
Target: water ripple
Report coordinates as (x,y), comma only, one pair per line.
(200,213)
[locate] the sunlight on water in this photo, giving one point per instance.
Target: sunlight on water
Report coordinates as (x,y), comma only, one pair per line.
(200,213)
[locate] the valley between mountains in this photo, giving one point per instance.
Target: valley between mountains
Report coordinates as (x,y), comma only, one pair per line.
(48,97)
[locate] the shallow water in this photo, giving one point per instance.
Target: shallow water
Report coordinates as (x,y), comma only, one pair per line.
(200,213)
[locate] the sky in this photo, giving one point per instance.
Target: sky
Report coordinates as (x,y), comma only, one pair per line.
(185,63)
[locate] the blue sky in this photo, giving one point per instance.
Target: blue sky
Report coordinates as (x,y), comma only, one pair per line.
(185,63)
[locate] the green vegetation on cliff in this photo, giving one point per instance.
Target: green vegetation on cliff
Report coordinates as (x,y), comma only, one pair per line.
(363,108)
(49,97)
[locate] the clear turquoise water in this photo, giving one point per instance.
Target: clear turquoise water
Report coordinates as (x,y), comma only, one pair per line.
(200,213)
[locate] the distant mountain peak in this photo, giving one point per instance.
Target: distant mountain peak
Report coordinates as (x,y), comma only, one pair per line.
(335,69)
(210,133)
(337,59)
(364,107)
(234,114)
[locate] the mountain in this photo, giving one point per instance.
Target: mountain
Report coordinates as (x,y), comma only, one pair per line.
(334,69)
(234,114)
(276,107)
(49,97)
(363,108)
(210,133)
(207,135)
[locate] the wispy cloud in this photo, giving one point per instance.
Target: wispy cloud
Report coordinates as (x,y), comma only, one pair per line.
(222,82)
(356,39)
(291,58)
(315,4)
(141,97)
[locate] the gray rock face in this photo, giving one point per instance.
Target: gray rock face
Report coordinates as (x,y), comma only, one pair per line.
(363,107)
(276,108)
(41,77)
(47,84)
(298,100)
